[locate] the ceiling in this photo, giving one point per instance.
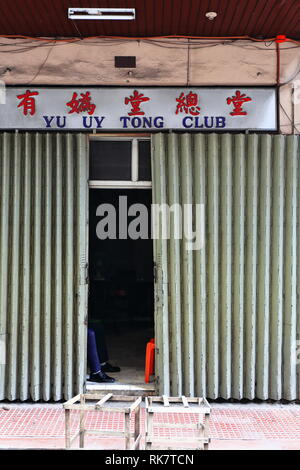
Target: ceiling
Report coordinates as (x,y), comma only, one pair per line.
(255,18)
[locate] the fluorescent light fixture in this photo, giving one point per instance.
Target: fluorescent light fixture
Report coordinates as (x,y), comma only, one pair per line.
(101,13)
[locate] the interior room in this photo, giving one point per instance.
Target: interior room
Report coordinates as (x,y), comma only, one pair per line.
(121,298)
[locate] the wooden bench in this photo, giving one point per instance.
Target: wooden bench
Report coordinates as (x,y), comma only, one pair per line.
(128,405)
(165,404)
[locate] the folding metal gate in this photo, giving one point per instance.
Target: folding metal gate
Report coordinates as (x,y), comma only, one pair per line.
(228,316)
(43,258)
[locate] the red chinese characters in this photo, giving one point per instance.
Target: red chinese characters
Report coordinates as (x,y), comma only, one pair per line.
(188,104)
(136,99)
(238,100)
(28,102)
(82,104)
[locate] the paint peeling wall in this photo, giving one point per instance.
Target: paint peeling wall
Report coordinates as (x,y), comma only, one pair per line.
(160,62)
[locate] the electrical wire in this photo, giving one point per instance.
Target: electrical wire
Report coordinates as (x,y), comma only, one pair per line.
(293,124)
(27,46)
(155,40)
(148,38)
(134,38)
(193,42)
(77,29)
(167,45)
(42,65)
(251,46)
(291,79)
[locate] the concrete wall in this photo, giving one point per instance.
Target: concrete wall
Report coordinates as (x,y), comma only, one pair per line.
(159,62)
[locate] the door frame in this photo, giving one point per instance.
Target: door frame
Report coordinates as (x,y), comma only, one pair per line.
(117,184)
(123,184)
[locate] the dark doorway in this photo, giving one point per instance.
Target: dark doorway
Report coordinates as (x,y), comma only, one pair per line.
(121,298)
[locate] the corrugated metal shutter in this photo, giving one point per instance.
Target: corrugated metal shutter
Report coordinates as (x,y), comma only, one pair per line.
(43,256)
(228,315)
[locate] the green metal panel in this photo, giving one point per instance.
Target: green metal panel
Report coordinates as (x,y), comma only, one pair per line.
(4,269)
(277,266)
(174,270)
(14,274)
(187,268)
(161,269)
(212,266)
(226,208)
(25,273)
(57,363)
(43,258)
(290,272)
(231,315)
(238,264)
(199,162)
(250,291)
(263,258)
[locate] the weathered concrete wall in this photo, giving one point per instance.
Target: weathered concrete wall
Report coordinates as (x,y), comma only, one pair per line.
(160,62)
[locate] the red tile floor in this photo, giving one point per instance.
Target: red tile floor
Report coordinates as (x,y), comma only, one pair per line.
(232,426)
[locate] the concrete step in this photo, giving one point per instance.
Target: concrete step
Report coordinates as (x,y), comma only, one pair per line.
(122,389)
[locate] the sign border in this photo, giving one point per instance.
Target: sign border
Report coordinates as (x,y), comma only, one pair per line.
(137,131)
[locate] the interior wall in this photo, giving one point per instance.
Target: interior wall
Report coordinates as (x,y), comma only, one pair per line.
(177,62)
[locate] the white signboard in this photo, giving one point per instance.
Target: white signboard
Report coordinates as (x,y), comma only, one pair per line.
(140,109)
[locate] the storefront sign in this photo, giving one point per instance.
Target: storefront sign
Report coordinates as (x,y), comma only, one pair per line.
(194,108)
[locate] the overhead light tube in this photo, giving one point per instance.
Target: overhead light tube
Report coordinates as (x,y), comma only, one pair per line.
(101,13)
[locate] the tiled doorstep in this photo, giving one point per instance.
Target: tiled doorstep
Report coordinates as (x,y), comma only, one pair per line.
(233,426)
